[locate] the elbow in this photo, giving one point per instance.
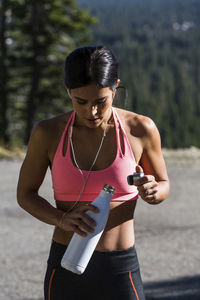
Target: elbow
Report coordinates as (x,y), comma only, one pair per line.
(20,197)
(23,197)
(167,189)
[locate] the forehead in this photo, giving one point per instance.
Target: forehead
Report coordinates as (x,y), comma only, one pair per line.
(91,91)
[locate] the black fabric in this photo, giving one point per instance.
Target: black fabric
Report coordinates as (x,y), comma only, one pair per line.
(110,275)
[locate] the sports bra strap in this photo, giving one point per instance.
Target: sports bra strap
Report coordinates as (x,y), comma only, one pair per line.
(68,126)
(127,145)
(117,131)
(118,127)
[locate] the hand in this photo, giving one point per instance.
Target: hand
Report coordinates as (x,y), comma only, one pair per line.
(147,187)
(78,221)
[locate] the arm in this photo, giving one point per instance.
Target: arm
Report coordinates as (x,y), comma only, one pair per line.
(154,186)
(31,176)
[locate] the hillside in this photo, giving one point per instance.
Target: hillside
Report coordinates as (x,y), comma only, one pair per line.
(157,43)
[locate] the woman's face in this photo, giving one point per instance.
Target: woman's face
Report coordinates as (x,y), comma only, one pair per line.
(92,104)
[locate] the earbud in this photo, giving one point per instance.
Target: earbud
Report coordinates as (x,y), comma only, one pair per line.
(68,92)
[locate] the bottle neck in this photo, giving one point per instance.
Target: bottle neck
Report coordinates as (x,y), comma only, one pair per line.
(106,195)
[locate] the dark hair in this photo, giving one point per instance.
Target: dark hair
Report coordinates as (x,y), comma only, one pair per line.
(91,64)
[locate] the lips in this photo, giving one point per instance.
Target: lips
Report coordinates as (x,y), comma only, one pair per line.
(93,120)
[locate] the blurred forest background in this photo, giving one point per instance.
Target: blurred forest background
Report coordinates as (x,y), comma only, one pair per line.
(157,43)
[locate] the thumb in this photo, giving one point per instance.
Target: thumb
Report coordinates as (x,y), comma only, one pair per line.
(139,169)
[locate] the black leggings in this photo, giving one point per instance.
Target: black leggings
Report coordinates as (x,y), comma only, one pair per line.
(110,275)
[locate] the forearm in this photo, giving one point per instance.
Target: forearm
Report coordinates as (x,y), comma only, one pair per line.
(39,208)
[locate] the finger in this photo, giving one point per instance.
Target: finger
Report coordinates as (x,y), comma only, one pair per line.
(82,214)
(152,199)
(77,225)
(139,169)
(83,226)
(141,181)
(149,199)
(150,185)
(150,192)
(88,220)
(147,193)
(84,217)
(80,232)
(144,179)
(89,207)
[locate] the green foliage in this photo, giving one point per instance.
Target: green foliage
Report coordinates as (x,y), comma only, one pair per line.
(157,43)
(38,36)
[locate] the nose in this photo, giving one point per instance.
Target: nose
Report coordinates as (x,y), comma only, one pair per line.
(93,110)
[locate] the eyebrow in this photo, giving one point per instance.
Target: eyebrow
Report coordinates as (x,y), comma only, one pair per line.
(78,98)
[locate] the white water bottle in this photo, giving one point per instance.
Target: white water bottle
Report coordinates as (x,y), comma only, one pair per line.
(80,249)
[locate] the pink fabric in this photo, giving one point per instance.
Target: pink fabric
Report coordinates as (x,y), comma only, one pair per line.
(67,180)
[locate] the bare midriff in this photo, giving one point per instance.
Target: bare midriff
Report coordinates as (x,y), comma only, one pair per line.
(118,233)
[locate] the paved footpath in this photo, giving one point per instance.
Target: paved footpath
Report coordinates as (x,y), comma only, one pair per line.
(167,239)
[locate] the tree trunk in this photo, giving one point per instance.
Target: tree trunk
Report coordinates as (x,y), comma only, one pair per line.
(32,100)
(4,135)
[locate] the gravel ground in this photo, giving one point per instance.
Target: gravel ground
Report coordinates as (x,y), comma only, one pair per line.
(167,238)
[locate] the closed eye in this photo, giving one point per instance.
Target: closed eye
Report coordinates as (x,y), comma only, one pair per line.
(99,101)
(79,101)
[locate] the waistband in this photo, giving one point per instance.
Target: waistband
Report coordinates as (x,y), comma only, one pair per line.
(115,261)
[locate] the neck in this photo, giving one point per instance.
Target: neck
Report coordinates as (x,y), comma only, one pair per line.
(101,127)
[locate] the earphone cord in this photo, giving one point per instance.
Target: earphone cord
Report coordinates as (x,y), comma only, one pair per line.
(74,157)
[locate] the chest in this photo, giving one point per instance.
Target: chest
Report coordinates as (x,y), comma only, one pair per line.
(90,148)
(94,151)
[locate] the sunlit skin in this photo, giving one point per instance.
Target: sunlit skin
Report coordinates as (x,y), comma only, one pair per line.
(93,110)
(92,105)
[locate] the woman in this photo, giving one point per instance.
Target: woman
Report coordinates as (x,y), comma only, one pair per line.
(85,148)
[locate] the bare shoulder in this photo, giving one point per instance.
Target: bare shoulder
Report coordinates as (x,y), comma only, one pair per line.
(46,130)
(47,125)
(38,157)
(45,136)
(138,125)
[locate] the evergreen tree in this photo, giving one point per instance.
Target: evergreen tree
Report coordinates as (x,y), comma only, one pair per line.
(42,33)
(4,77)
(157,44)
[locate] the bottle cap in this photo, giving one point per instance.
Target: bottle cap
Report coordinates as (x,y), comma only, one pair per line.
(108,188)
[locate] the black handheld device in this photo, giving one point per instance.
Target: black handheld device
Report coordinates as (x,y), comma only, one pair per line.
(131,178)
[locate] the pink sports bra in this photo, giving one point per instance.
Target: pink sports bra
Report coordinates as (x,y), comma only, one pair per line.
(67,180)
